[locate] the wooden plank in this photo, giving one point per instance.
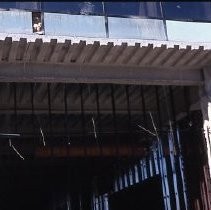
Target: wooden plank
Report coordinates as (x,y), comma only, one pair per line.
(55,55)
(164,56)
(198,58)
(172,61)
(100,53)
(6,48)
(50,50)
(27,53)
(13,51)
(155,53)
(36,49)
(147,51)
(21,49)
(43,50)
(69,53)
(64,51)
(93,51)
(115,52)
(78,51)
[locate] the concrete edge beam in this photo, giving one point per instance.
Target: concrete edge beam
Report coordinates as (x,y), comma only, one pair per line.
(75,73)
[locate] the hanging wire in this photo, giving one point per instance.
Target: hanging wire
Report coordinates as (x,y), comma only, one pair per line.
(148,131)
(93,121)
(167,109)
(43,137)
(16,151)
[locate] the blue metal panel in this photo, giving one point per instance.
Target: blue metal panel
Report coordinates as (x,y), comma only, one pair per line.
(32,6)
(115,185)
(181,163)
(74,7)
(131,176)
(136,28)
(172,161)
(125,179)
(188,31)
(74,25)
(136,174)
(197,11)
(189,11)
(15,22)
(143,9)
(105,202)
(150,166)
(142,171)
(7,5)
(164,176)
(120,182)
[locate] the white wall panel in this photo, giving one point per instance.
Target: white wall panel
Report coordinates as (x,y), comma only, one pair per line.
(74,25)
(136,28)
(188,31)
(15,22)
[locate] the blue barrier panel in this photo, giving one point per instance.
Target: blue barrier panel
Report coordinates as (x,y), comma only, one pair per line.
(191,11)
(143,9)
(74,7)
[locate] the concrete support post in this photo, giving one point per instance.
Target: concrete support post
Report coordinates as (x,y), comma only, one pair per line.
(205,101)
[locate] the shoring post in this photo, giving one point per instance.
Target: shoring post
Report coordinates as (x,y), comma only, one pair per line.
(162,163)
(115,132)
(172,146)
(15,106)
(157,148)
(131,138)
(99,141)
(49,109)
(145,125)
(32,109)
(205,101)
(83,125)
(181,163)
(114,119)
(66,127)
(125,178)
(129,115)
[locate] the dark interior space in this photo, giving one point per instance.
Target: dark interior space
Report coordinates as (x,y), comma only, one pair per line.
(146,195)
(45,184)
(63,146)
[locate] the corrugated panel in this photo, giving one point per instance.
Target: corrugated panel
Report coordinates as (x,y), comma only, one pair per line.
(74,25)
(15,22)
(188,31)
(136,28)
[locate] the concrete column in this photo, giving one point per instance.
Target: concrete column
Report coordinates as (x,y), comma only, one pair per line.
(205,101)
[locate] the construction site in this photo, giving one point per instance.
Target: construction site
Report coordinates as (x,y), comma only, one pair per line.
(105,105)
